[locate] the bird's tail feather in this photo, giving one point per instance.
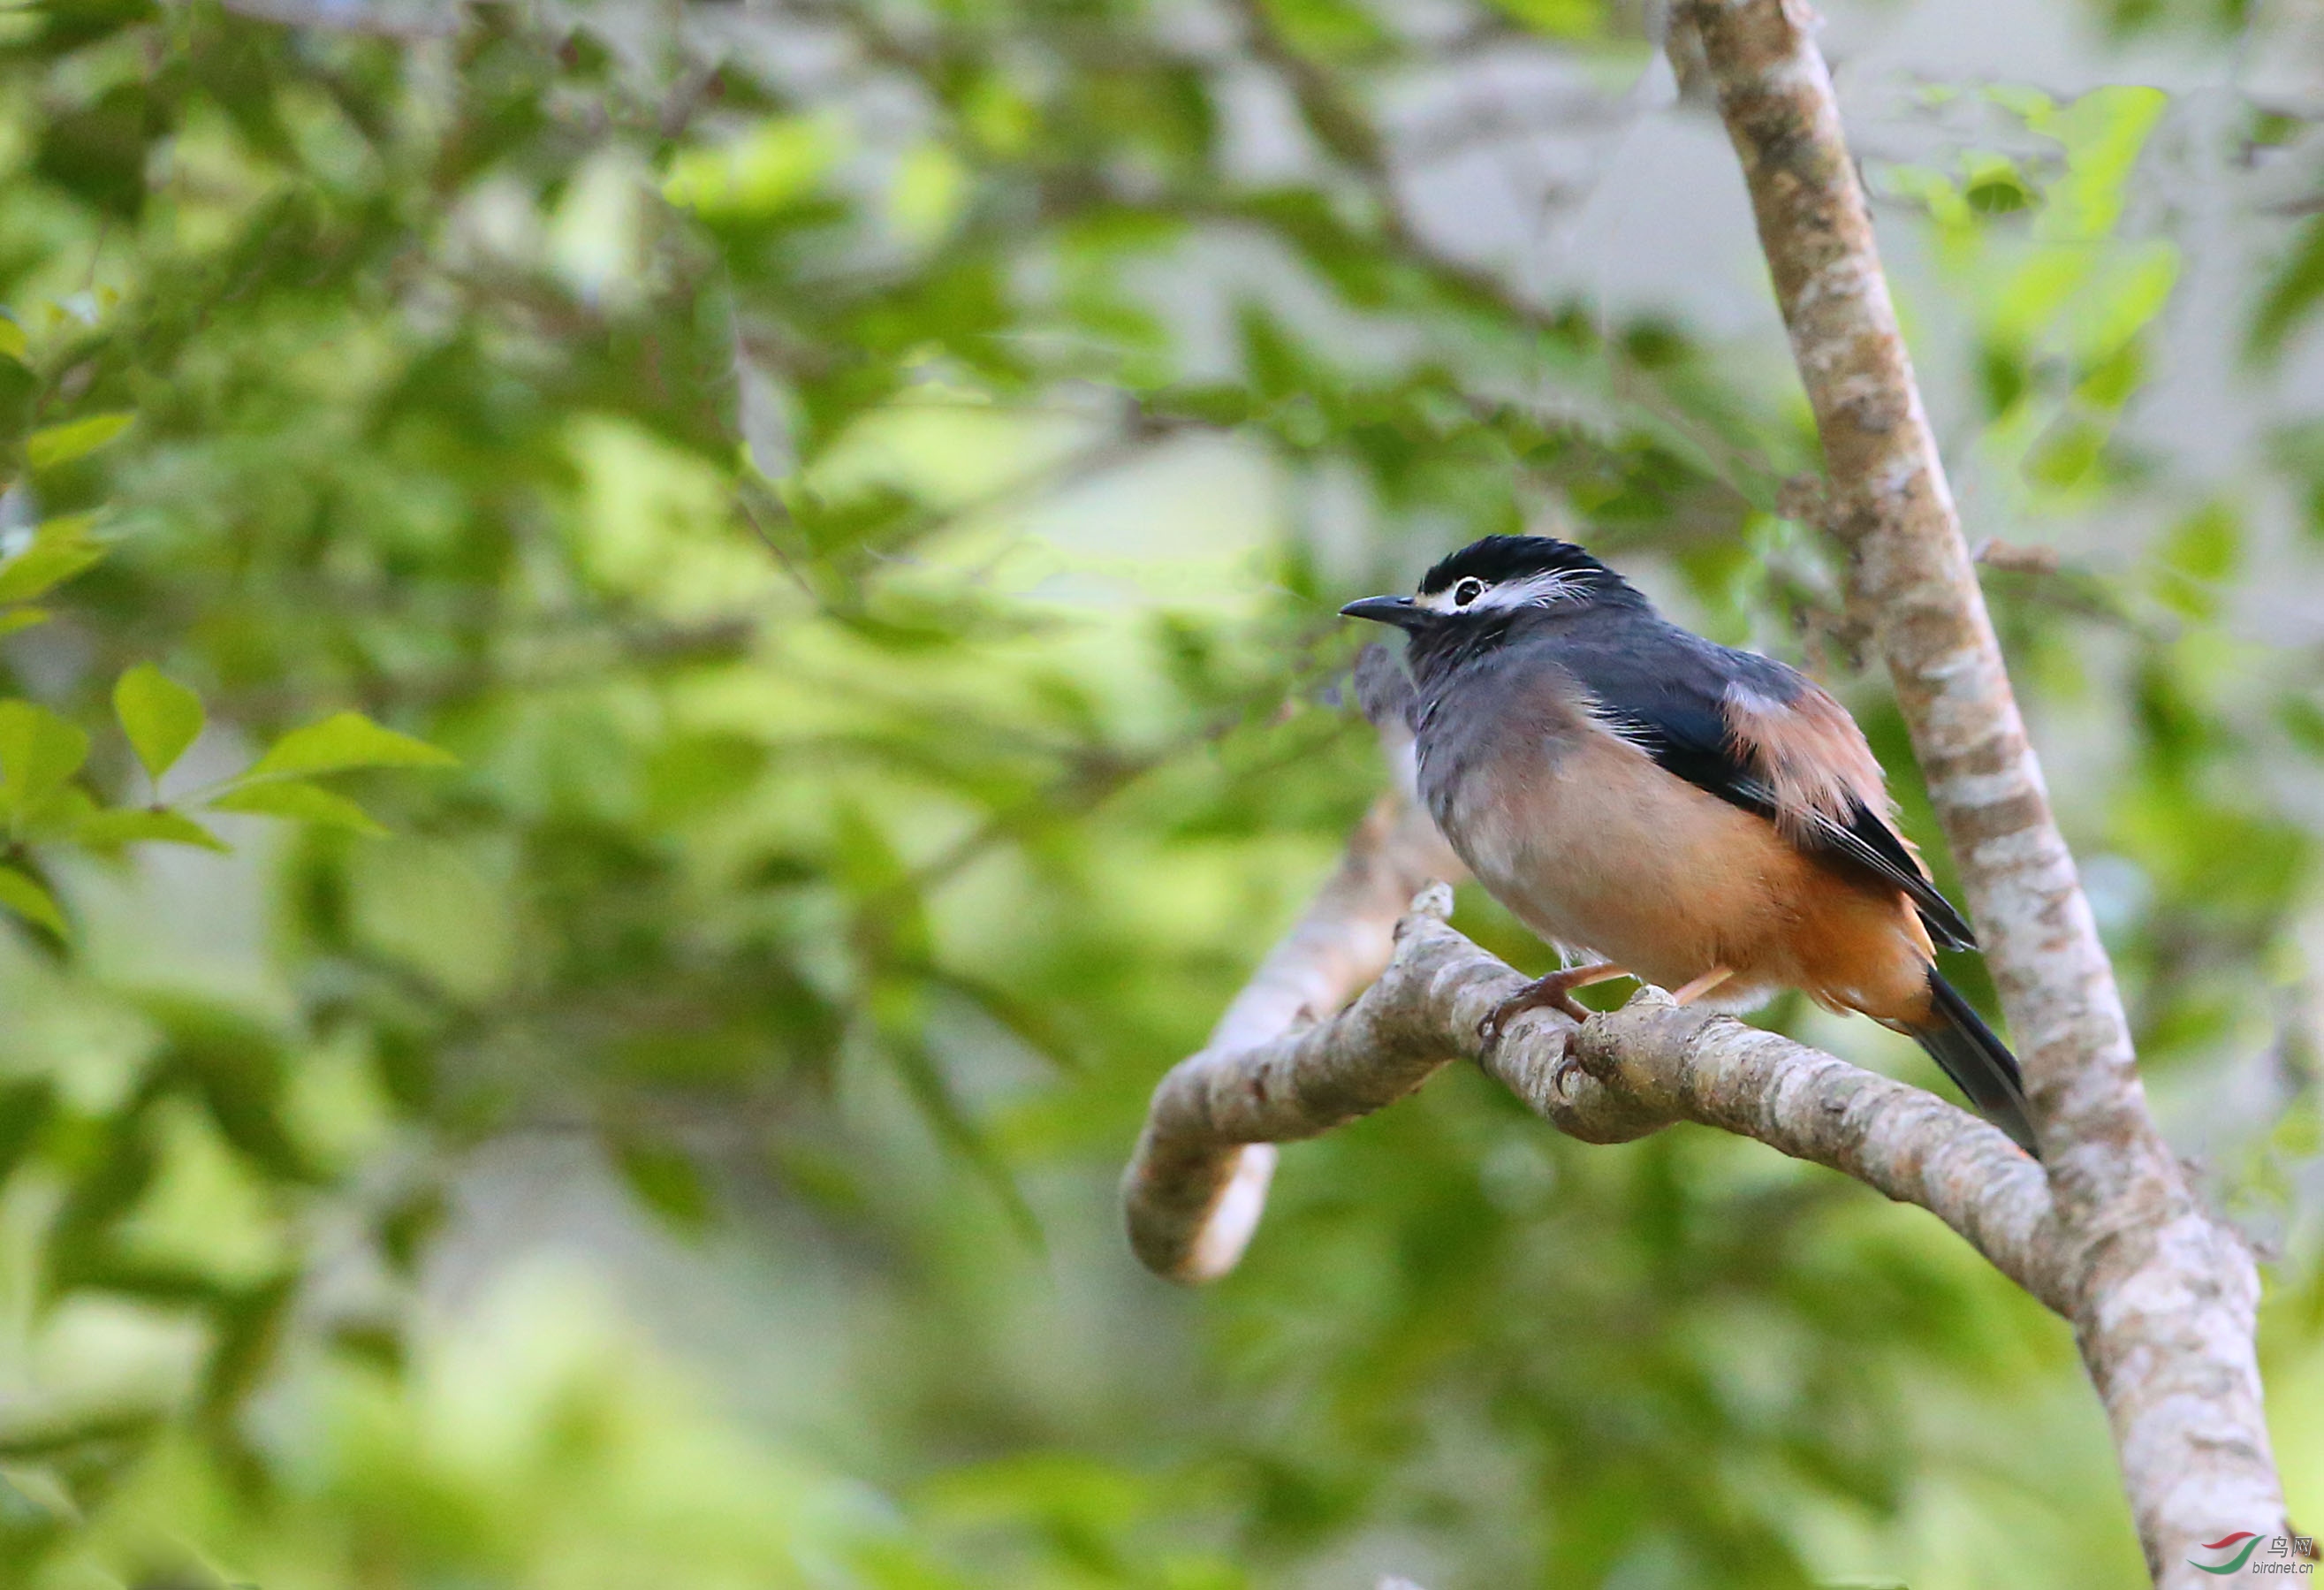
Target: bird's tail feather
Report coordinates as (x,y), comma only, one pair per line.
(1979,1063)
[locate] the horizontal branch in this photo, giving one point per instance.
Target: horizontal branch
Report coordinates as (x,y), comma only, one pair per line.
(1619,1077)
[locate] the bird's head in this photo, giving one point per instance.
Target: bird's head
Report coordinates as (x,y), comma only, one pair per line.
(1489,584)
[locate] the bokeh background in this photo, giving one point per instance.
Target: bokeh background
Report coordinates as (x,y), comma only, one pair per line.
(861,486)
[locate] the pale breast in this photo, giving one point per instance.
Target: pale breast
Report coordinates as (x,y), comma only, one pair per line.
(1597,849)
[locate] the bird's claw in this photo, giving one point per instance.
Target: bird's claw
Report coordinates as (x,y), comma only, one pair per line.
(1554,990)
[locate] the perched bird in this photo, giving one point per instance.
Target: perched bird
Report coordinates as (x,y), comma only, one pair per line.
(1704,818)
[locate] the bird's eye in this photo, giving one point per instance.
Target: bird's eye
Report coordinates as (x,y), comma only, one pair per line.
(1467,591)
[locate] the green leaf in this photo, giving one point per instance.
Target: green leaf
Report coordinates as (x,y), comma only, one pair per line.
(161,717)
(778,163)
(31,1442)
(2292,293)
(1334,29)
(931,190)
(28,900)
(2103,132)
(1998,190)
(60,549)
(1560,19)
(345,740)
(409,1222)
(27,1106)
(2304,720)
(11,340)
(307,803)
(250,1329)
(52,445)
(666,1181)
(38,752)
(135,825)
(23,619)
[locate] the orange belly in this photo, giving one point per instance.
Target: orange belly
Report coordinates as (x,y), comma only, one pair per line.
(1600,850)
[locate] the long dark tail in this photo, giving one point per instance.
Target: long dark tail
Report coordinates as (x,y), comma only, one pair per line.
(1979,1064)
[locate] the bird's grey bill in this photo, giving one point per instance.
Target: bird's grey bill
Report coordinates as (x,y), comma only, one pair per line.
(1400,610)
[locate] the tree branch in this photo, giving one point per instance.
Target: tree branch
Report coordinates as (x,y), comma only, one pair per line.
(2164,1295)
(1276,1070)
(1196,1185)
(1617,1077)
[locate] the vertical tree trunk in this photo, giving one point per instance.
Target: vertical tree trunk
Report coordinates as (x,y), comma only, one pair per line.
(2164,1295)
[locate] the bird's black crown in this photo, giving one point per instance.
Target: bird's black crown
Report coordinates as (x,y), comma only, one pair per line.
(1499,557)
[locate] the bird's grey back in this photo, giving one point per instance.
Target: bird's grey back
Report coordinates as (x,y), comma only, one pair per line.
(1538,682)
(1641,658)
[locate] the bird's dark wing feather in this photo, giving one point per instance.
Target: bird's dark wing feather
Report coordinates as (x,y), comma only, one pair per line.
(1667,697)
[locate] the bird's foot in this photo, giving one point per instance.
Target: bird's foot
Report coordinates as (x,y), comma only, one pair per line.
(1556,990)
(1694,990)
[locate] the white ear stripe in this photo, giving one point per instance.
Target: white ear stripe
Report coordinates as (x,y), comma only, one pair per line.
(1535,590)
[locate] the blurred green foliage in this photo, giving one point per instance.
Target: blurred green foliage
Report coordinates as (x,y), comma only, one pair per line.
(861,492)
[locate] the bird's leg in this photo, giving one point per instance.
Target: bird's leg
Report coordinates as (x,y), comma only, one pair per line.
(1702,986)
(1556,989)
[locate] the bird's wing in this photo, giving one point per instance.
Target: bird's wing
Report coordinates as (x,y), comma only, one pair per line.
(1764,737)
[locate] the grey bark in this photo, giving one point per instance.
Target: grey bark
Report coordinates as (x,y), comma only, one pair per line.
(2164,1295)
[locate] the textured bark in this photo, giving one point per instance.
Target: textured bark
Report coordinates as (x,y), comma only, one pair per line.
(2164,1295)
(1619,1077)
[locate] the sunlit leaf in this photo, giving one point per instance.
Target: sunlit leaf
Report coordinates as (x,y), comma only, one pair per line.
(345,740)
(38,752)
(1336,29)
(307,803)
(931,190)
(2104,132)
(28,900)
(2122,299)
(1558,19)
(59,549)
(997,114)
(11,340)
(60,444)
(2200,553)
(778,162)
(133,825)
(161,717)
